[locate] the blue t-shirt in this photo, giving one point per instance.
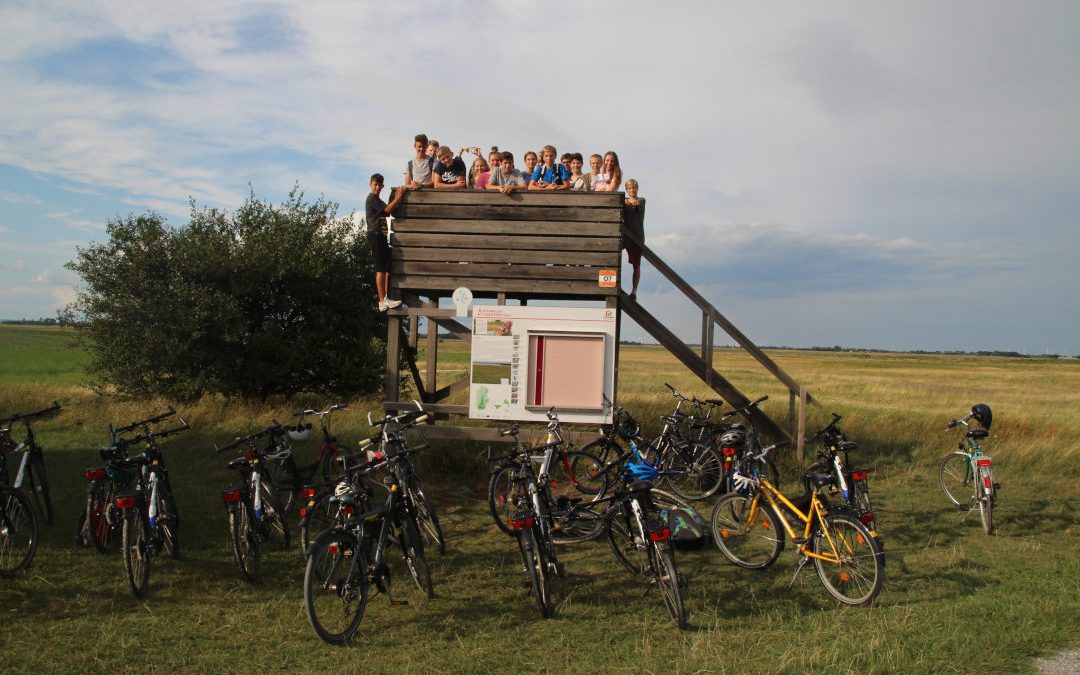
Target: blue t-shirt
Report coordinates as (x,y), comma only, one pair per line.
(556,174)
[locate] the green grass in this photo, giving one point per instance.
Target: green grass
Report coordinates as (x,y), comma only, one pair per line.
(40,354)
(954,598)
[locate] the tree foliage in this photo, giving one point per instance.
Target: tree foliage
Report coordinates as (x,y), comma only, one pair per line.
(267,300)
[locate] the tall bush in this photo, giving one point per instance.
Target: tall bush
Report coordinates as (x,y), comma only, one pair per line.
(267,300)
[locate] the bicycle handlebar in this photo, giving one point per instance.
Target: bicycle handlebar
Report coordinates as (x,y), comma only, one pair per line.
(963,420)
(26,417)
(275,430)
(831,426)
(141,423)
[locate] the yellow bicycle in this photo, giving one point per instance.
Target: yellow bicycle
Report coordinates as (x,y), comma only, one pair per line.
(749,525)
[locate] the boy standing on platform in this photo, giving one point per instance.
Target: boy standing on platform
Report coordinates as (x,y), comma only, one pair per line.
(376,209)
(418,170)
(449,172)
(504,177)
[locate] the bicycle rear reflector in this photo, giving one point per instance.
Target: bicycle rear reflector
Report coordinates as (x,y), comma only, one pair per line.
(308,492)
(95,474)
(125,502)
(868,517)
(984,461)
(521,524)
(858,475)
(729,452)
(230,496)
(660,535)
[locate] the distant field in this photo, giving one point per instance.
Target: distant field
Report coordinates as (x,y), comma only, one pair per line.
(954,599)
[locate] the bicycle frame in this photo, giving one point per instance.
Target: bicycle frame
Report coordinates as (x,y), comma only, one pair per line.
(815,512)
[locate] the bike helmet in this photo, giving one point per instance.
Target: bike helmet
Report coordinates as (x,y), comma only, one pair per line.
(981,412)
(300,432)
(635,471)
(733,437)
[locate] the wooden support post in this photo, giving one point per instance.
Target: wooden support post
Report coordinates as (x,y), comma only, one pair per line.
(800,440)
(791,414)
(707,348)
(501,299)
(393,351)
(414,322)
(432,348)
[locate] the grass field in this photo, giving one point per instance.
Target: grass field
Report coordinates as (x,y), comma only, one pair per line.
(954,598)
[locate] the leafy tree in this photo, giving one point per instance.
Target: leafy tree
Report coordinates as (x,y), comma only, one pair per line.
(267,300)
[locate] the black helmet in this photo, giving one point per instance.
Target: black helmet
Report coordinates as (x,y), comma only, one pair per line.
(981,412)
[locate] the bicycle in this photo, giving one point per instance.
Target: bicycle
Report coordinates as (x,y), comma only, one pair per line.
(318,513)
(639,539)
(151,521)
(966,475)
(850,484)
(345,561)
(845,552)
(101,521)
(566,477)
(251,505)
(31,472)
(18,527)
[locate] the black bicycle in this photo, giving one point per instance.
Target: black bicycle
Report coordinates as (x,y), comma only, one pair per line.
(849,484)
(343,563)
(18,528)
(252,506)
(30,473)
(151,521)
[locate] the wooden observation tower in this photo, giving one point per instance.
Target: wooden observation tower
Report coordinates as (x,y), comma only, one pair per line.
(526,246)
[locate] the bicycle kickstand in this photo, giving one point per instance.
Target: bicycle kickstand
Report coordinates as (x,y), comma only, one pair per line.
(798,568)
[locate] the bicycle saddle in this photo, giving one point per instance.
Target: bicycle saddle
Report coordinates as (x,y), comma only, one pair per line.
(239,462)
(819,479)
(640,486)
(846,445)
(978,433)
(131,462)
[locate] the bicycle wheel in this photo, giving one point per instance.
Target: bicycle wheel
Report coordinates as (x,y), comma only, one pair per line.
(857,576)
(18,531)
(625,541)
(667,580)
(696,471)
(318,517)
(167,525)
(986,502)
(273,516)
(135,542)
(503,491)
(538,573)
(245,543)
(427,519)
(578,476)
(956,479)
(413,547)
(576,523)
(750,542)
(603,449)
(39,486)
(102,517)
(282,479)
(335,586)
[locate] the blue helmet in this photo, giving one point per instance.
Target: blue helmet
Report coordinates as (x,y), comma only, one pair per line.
(633,471)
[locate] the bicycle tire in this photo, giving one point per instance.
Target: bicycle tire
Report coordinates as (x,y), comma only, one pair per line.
(39,486)
(698,471)
(18,531)
(273,517)
(576,524)
(427,519)
(955,478)
(245,543)
(662,561)
(544,534)
(103,519)
(335,588)
(858,576)
(284,480)
(986,502)
(751,545)
(136,544)
(580,476)
(318,517)
(627,545)
(538,573)
(503,488)
(167,525)
(412,545)
(608,454)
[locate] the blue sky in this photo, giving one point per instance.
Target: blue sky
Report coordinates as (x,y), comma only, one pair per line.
(902,176)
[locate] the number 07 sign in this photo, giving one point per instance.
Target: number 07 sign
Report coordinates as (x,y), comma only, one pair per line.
(609,278)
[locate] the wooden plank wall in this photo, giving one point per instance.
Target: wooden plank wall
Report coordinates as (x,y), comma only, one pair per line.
(534,244)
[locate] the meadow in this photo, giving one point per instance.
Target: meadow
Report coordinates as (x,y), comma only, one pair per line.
(954,599)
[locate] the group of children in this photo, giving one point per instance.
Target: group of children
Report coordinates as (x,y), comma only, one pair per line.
(435,166)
